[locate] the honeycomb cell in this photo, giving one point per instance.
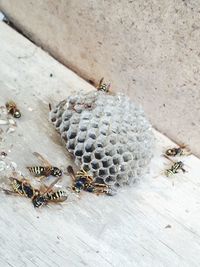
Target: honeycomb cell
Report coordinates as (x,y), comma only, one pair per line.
(81,137)
(113,139)
(90,145)
(53,119)
(71,134)
(116,160)
(70,145)
(99,153)
(110,180)
(120,178)
(64,136)
(103,172)
(110,151)
(79,150)
(95,164)
(127,157)
(112,170)
(86,158)
(106,162)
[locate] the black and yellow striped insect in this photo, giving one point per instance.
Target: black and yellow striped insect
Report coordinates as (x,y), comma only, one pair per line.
(46,170)
(50,196)
(83,181)
(39,197)
(103,86)
(182,150)
(21,187)
(12,109)
(174,169)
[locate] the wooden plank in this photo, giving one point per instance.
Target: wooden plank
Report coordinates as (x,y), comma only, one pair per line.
(130,229)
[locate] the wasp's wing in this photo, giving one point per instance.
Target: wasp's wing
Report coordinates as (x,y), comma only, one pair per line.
(41,158)
(49,188)
(71,172)
(8,192)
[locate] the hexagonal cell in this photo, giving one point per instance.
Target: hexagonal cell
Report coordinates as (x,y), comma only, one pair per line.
(70,144)
(89,145)
(103,172)
(92,133)
(106,122)
(66,115)
(83,127)
(86,158)
(86,115)
(71,134)
(99,180)
(95,164)
(120,150)
(64,127)
(104,129)
(64,136)
(75,119)
(127,157)
(101,141)
(112,170)
(116,160)
(120,177)
(99,153)
(79,150)
(78,108)
(110,180)
(81,136)
(53,119)
(124,167)
(94,125)
(110,150)
(72,99)
(113,139)
(106,162)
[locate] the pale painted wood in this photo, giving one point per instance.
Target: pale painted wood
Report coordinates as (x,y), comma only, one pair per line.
(126,230)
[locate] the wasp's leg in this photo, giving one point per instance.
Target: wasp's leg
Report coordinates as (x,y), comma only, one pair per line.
(100,188)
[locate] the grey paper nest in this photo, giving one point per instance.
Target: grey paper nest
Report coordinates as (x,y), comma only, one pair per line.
(108,135)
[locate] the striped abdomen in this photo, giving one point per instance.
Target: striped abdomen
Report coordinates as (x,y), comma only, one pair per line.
(17,186)
(59,195)
(23,188)
(39,170)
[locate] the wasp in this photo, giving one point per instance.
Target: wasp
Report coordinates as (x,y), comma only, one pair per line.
(83,181)
(177,151)
(13,110)
(39,198)
(46,170)
(176,166)
(103,86)
(49,195)
(21,187)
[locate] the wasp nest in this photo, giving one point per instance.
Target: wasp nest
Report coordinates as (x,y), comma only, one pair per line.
(108,135)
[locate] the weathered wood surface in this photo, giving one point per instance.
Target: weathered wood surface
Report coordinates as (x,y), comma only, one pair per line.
(156,223)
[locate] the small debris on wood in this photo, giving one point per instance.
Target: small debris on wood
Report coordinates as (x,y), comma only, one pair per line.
(168,226)
(3,154)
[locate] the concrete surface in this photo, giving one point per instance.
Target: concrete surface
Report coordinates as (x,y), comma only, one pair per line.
(147,49)
(155,223)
